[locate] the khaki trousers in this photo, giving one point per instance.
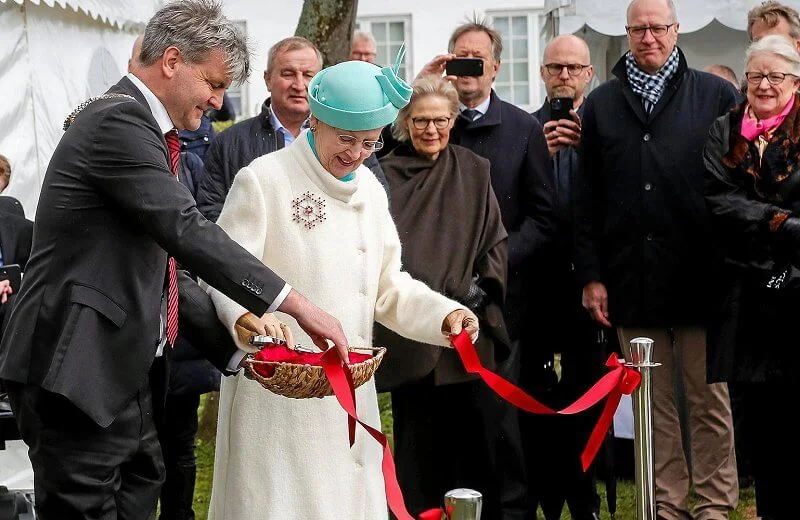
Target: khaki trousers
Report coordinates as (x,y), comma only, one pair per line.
(682,354)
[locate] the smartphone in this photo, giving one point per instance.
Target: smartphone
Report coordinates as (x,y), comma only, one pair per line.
(464,67)
(560,107)
(12,273)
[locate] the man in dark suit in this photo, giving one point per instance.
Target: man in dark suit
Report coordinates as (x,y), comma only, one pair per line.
(523,181)
(97,305)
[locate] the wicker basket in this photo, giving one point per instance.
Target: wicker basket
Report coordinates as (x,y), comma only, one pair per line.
(304,381)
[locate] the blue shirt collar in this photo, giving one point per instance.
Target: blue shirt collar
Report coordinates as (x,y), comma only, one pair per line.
(288,138)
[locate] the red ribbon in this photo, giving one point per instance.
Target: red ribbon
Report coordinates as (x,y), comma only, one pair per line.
(436,513)
(620,380)
(341,380)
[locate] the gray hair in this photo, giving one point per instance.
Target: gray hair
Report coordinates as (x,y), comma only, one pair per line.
(196,27)
(365,36)
(776,46)
(423,87)
(291,43)
(670,6)
(478,25)
(770,13)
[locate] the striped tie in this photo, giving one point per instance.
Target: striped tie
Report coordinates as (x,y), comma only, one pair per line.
(174,147)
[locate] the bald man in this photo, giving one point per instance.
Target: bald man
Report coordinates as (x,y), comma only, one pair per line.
(644,249)
(556,476)
(135,52)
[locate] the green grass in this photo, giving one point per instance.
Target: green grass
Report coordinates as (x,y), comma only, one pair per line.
(626,492)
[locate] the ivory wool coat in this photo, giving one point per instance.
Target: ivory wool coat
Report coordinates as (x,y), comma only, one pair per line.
(335,242)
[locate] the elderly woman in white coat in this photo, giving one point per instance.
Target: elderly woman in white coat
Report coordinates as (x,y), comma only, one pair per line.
(320,219)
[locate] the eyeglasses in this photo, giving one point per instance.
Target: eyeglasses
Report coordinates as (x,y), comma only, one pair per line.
(554,69)
(421,123)
(774,78)
(367,146)
(656,30)
(361,55)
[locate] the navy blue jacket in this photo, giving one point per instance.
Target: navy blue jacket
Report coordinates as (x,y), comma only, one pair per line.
(523,181)
(642,227)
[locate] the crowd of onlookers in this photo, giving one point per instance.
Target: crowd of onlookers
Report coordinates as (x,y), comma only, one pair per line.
(661,204)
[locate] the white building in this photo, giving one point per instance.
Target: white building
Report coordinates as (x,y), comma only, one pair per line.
(711,31)
(425,26)
(59,52)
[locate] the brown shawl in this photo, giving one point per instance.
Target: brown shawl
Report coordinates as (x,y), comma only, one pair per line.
(449,224)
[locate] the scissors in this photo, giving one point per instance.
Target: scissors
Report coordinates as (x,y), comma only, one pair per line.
(267,341)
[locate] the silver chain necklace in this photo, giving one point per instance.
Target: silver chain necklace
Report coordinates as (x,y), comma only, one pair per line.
(71,118)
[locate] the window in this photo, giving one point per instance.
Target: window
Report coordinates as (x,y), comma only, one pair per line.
(516,80)
(389,33)
(237,94)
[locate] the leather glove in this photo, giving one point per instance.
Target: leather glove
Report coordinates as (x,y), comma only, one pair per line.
(458,320)
(476,297)
(249,325)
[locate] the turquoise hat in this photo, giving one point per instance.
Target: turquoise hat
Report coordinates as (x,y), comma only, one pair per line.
(356,95)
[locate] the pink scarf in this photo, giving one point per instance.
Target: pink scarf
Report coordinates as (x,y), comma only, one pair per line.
(752,128)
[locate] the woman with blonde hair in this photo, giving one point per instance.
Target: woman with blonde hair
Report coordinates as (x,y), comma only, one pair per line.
(453,239)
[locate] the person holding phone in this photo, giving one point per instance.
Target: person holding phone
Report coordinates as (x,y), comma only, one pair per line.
(522,178)
(556,476)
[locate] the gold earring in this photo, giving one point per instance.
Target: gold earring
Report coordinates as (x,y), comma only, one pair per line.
(312,128)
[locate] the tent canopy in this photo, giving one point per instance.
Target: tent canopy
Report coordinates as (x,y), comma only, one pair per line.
(608,16)
(119,13)
(56,54)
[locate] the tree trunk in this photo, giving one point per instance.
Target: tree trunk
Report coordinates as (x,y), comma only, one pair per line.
(329,25)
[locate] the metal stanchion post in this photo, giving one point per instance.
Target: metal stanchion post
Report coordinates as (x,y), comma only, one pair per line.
(463,504)
(639,356)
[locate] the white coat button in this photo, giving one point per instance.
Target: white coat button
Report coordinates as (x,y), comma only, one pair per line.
(648,186)
(646,137)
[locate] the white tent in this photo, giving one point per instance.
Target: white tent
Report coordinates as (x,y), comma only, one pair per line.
(55,54)
(711,31)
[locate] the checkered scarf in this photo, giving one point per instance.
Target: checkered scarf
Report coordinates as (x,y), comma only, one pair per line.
(650,88)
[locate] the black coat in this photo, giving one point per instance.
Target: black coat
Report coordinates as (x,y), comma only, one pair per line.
(87,321)
(198,141)
(753,332)
(642,227)
(238,146)
(557,292)
(16,236)
(523,181)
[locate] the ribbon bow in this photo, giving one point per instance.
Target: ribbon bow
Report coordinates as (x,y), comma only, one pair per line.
(620,380)
(395,88)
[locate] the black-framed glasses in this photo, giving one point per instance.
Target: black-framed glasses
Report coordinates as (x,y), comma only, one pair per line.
(638,31)
(554,69)
(421,123)
(367,146)
(774,78)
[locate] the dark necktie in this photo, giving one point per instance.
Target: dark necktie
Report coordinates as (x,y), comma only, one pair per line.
(174,147)
(469,114)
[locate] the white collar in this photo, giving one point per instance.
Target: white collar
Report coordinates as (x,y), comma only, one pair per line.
(156,106)
(482,107)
